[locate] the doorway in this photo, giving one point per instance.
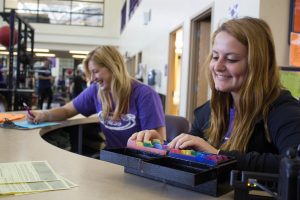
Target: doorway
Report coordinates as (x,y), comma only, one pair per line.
(174,72)
(198,91)
(131,65)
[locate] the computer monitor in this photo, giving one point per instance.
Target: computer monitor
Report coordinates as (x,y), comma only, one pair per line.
(290,79)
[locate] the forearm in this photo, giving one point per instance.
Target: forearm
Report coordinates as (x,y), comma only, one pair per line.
(254,161)
(60,114)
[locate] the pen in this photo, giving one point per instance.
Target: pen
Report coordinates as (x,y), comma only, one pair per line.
(28,109)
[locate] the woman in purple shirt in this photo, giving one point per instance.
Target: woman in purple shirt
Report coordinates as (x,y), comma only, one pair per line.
(124,105)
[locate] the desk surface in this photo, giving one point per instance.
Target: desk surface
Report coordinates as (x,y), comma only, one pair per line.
(96,179)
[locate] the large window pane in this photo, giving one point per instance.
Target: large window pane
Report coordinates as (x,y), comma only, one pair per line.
(59,18)
(55,6)
(87,20)
(72,12)
(87,8)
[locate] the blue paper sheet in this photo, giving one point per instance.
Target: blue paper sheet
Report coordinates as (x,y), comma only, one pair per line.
(25,124)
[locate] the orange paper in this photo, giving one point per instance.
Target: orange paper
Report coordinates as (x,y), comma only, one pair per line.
(10,116)
(297,16)
(295,49)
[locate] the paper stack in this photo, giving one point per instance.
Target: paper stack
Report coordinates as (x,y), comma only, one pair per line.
(30,177)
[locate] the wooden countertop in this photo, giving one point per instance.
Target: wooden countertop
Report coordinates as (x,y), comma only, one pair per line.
(96,179)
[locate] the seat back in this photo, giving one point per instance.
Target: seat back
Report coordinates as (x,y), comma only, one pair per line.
(176,125)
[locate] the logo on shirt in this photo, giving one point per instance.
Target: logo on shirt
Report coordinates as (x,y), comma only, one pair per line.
(127,121)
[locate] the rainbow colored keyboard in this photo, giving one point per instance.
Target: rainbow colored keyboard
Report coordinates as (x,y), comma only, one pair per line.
(156,147)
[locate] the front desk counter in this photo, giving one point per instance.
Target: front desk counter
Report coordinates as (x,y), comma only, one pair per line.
(96,179)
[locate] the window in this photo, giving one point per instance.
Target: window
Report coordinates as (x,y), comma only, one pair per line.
(71,12)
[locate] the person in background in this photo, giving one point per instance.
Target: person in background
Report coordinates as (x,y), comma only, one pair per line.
(124,106)
(2,74)
(3,103)
(250,115)
(78,84)
(45,84)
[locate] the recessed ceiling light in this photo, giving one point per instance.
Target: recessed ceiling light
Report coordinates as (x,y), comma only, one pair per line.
(45,54)
(7,53)
(38,50)
(4,52)
(78,52)
(79,56)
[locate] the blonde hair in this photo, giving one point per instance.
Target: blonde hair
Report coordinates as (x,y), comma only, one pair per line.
(110,58)
(260,89)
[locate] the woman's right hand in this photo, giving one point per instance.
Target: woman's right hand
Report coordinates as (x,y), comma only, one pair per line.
(146,135)
(38,116)
(187,141)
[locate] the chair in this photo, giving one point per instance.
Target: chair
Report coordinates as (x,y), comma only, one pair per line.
(176,125)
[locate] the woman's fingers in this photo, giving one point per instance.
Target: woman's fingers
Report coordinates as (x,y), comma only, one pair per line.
(145,135)
(133,136)
(152,134)
(183,139)
(140,136)
(174,142)
(29,118)
(187,144)
(38,117)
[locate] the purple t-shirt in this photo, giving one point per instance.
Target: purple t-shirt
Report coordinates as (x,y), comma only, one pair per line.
(230,127)
(145,112)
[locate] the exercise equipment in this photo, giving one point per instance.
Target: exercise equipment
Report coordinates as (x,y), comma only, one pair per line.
(17,35)
(5,36)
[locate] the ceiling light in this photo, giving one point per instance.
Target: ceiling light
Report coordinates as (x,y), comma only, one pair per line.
(78,52)
(45,54)
(2,48)
(7,53)
(38,50)
(79,56)
(4,52)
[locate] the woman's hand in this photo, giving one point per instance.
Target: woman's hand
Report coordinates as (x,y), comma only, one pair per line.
(146,135)
(184,141)
(37,117)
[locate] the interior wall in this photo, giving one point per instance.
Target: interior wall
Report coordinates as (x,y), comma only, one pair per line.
(156,57)
(153,39)
(279,25)
(1,5)
(165,16)
(245,8)
(185,63)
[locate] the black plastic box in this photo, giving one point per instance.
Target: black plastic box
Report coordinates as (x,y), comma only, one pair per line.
(190,175)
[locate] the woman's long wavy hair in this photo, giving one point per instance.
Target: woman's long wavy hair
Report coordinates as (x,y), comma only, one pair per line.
(259,90)
(110,58)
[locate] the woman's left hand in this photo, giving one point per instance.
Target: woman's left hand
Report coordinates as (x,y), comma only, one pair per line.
(184,141)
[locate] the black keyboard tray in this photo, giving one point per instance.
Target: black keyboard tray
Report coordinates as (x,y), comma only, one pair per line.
(211,180)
